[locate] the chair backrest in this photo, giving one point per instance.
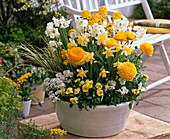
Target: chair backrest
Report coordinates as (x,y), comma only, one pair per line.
(92,5)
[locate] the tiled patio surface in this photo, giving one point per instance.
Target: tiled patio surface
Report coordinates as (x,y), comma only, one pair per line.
(155,103)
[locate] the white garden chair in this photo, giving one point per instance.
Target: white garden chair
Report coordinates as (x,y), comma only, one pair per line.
(157,40)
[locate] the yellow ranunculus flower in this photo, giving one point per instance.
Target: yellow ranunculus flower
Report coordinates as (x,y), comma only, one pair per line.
(146,48)
(110,43)
(127,71)
(130,36)
(102,37)
(74,100)
(76,56)
(120,36)
(135,91)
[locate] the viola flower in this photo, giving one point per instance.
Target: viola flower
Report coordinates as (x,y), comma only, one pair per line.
(81,73)
(135,91)
(146,77)
(69,90)
(76,91)
(29,94)
(100,92)
(85,88)
(74,100)
(62,91)
(81,83)
(99,86)
(103,73)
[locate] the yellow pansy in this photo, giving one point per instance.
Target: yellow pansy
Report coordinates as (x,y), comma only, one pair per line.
(146,77)
(85,88)
(69,90)
(81,83)
(135,91)
(100,92)
(63,91)
(76,91)
(74,100)
(99,86)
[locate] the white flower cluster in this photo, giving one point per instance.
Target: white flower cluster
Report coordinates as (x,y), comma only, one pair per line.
(121,24)
(38,71)
(52,27)
(110,85)
(139,32)
(53,86)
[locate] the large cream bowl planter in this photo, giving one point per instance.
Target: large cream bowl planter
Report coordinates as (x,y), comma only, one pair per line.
(99,122)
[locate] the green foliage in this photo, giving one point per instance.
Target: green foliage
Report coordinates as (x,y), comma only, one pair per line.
(160,9)
(9,107)
(32,131)
(29,24)
(11,60)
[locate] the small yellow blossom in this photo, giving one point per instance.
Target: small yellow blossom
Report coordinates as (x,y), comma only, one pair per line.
(58,132)
(74,100)
(135,91)
(108,52)
(103,73)
(63,91)
(77,80)
(116,15)
(82,73)
(81,83)
(99,86)
(76,91)
(69,90)
(85,87)
(65,62)
(100,92)
(146,77)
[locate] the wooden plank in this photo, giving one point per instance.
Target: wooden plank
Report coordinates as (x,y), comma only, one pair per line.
(138,126)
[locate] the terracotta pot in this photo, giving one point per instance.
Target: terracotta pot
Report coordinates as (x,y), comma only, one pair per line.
(26,107)
(39,93)
(99,122)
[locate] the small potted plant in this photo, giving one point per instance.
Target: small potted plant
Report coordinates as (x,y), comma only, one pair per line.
(37,78)
(25,89)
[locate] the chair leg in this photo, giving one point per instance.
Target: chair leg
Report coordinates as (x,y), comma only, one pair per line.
(166,61)
(165,57)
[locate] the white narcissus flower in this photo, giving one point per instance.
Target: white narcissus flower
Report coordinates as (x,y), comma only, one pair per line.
(122,82)
(140,86)
(52,43)
(112,83)
(123,90)
(56,22)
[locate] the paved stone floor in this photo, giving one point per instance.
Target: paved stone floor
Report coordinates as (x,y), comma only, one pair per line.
(156,101)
